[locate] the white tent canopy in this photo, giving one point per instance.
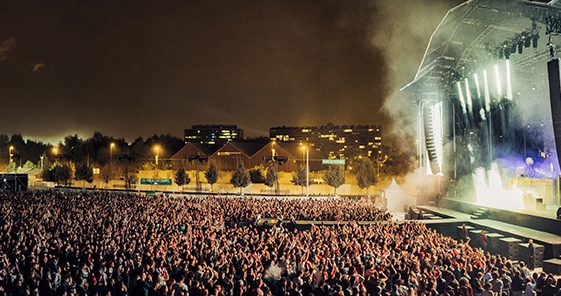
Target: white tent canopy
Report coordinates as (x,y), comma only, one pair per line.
(397,197)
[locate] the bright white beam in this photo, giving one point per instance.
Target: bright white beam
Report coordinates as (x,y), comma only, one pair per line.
(508,81)
(498,81)
(487,95)
(476,78)
(468,96)
(461,96)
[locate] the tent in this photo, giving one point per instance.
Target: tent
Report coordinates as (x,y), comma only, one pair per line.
(397,197)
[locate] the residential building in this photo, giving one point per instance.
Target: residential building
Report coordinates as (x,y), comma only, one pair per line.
(334,141)
(211,134)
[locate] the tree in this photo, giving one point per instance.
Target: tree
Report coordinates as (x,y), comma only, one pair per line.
(271,178)
(28,165)
(299,177)
(256,176)
(107,173)
(12,167)
(84,173)
(61,173)
(334,177)
(365,174)
(47,175)
(241,178)
(181,178)
(211,174)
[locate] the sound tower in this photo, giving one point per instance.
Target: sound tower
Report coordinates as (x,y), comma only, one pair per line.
(430,141)
(555,101)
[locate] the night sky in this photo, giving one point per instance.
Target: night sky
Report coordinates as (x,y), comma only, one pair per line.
(135,68)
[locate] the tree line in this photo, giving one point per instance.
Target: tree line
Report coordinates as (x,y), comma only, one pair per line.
(334,176)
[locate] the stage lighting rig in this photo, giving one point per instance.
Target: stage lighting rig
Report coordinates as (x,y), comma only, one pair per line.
(516,44)
(553,25)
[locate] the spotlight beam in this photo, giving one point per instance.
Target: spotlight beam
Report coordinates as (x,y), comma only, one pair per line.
(486,91)
(461,96)
(498,81)
(508,81)
(468,95)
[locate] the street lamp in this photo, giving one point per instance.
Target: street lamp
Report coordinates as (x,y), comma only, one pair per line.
(10,155)
(55,151)
(307,153)
(111,146)
(157,148)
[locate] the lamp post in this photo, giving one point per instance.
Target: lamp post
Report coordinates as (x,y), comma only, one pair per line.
(306,152)
(157,148)
(10,154)
(55,151)
(111,146)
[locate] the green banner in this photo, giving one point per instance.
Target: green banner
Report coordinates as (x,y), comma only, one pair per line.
(146,181)
(333,161)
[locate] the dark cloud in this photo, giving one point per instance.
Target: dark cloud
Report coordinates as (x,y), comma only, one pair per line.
(134,68)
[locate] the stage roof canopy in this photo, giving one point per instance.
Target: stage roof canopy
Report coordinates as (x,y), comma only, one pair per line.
(474,33)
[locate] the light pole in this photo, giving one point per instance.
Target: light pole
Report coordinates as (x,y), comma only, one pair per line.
(306,155)
(10,155)
(157,148)
(307,171)
(111,146)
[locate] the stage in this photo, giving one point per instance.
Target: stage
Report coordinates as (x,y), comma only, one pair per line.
(541,226)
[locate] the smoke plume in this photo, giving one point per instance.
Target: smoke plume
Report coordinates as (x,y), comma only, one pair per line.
(404,30)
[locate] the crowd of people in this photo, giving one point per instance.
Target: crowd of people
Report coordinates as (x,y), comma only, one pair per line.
(55,243)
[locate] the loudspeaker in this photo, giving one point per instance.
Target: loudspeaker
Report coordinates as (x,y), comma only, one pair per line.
(430,140)
(13,182)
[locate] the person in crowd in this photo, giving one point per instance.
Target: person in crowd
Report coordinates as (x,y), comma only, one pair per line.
(531,254)
(483,240)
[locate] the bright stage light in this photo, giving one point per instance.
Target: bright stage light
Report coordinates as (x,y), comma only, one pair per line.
(508,81)
(461,96)
(498,81)
(476,78)
(468,96)
(482,113)
(489,190)
(487,95)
